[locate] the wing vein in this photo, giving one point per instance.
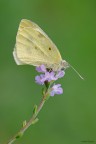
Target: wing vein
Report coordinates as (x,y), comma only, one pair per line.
(33,43)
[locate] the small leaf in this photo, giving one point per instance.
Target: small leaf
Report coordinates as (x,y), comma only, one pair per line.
(35,109)
(35,120)
(47,84)
(20,134)
(24,123)
(43,91)
(47,97)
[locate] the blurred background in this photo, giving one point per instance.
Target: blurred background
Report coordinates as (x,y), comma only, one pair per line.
(66,119)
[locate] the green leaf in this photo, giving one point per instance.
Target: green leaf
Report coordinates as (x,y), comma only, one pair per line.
(20,134)
(47,84)
(35,120)
(43,91)
(35,109)
(47,97)
(24,123)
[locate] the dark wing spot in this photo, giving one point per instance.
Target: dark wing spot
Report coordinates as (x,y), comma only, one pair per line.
(35,47)
(49,48)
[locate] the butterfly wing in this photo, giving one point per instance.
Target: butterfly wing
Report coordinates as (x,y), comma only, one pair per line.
(34,47)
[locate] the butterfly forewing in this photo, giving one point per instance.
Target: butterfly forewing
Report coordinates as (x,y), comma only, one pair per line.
(34,47)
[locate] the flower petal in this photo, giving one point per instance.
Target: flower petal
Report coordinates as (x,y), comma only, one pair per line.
(38,79)
(52,93)
(56,89)
(60,74)
(41,68)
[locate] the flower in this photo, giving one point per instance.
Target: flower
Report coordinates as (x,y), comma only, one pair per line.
(45,77)
(60,74)
(50,76)
(41,68)
(38,79)
(56,89)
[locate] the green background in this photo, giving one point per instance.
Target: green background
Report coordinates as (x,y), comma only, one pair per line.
(66,119)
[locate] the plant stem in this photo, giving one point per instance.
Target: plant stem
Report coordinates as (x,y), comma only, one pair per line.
(28,124)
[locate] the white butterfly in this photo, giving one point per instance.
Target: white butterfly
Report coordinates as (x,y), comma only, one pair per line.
(35,48)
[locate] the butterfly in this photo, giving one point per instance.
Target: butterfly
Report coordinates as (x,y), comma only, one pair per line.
(34,47)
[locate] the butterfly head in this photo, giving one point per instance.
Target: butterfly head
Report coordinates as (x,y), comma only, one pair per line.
(64,65)
(60,66)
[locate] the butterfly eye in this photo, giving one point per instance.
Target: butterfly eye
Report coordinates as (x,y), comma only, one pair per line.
(49,48)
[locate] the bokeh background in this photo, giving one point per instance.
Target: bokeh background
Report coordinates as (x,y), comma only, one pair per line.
(66,119)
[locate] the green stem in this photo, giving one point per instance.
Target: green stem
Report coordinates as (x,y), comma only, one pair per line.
(28,124)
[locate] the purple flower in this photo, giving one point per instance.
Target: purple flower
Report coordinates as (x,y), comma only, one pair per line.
(41,68)
(49,76)
(56,89)
(38,79)
(60,74)
(45,77)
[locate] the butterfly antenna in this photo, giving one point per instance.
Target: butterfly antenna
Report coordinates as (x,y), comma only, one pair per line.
(76,72)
